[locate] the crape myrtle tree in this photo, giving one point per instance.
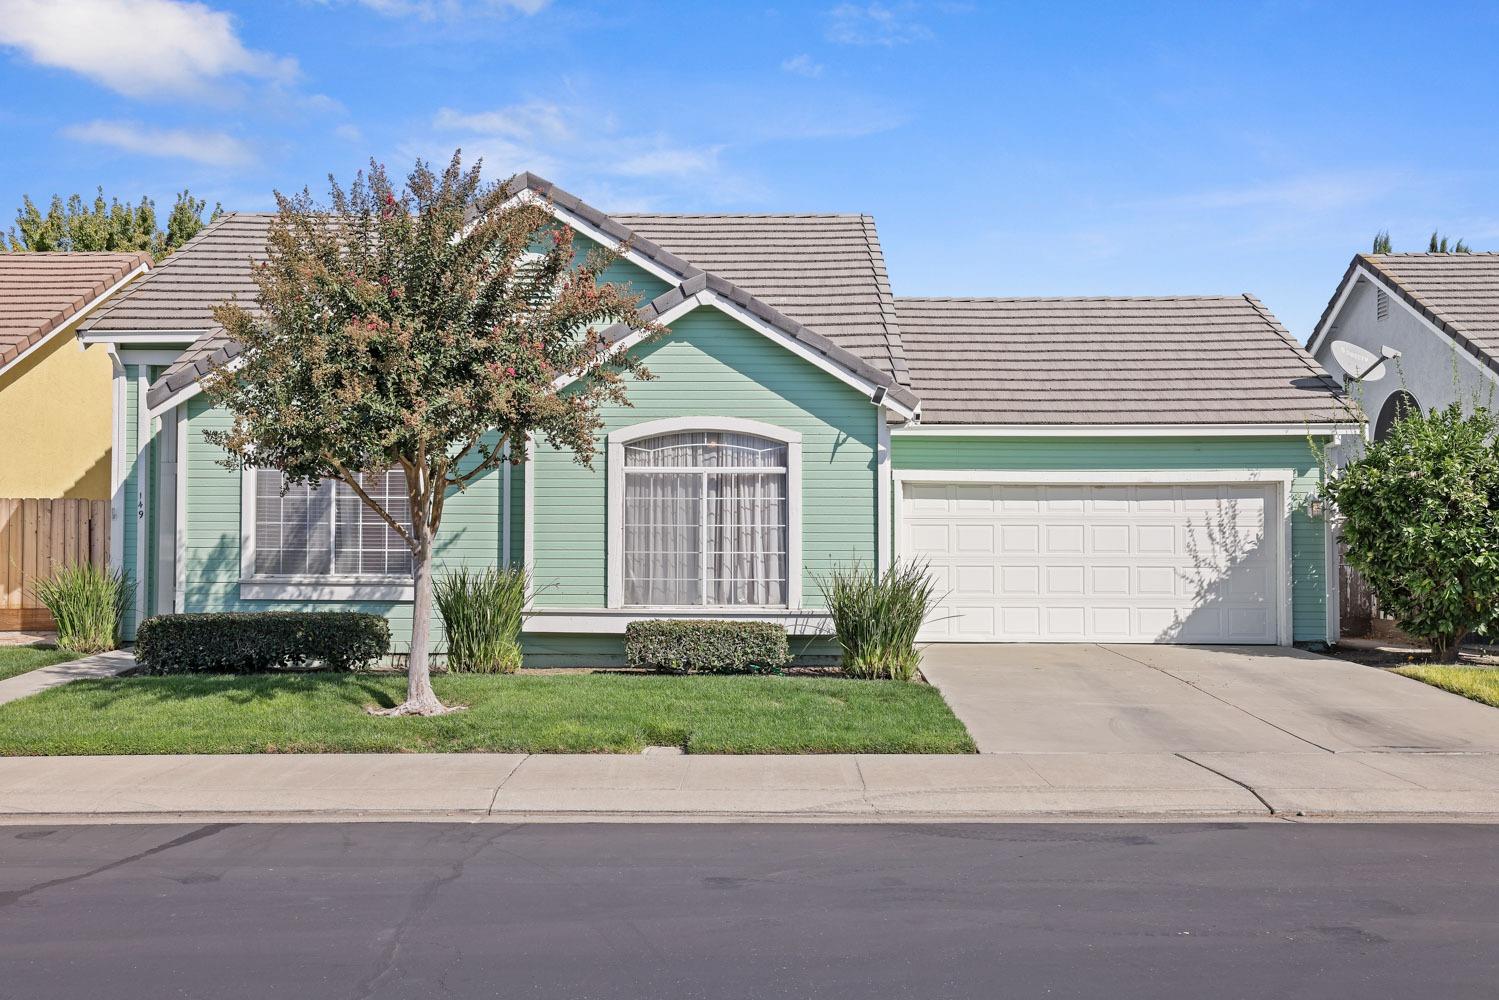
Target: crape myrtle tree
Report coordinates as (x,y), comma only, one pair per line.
(426,328)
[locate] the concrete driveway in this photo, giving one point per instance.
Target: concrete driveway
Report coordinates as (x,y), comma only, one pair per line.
(1196,699)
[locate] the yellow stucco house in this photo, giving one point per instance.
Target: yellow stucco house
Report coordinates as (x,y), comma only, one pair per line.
(56,396)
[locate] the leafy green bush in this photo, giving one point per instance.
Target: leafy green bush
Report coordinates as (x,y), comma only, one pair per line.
(1420,517)
(876,617)
(247,643)
(706,647)
(482,612)
(87,603)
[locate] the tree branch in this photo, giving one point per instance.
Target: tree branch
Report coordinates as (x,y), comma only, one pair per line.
(353,484)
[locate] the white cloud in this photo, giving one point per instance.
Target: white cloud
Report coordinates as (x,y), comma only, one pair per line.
(173,48)
(540,135)
(1308,193)
(349,133)
(802,65)
(669,162)
(875,24)
(432,10)
(214,149)
(538,120)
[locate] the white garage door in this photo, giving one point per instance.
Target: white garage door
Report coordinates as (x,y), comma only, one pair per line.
(1106,563)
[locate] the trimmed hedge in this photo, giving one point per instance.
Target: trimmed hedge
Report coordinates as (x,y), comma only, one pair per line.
(256,642)
(706,647)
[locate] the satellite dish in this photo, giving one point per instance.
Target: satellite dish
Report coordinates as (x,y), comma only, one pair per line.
(1359,364)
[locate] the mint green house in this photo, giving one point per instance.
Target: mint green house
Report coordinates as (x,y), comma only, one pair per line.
(1112,469)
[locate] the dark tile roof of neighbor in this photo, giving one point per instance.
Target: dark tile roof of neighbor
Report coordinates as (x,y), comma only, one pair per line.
(1459,292)
(1200,360)
(42,292)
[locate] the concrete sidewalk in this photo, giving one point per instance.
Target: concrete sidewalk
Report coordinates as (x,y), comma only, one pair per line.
(843,787)
(108,664)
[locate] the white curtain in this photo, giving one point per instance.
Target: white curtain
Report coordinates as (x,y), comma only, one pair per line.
(705,525)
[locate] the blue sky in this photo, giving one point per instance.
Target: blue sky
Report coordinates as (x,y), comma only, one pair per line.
(1005,149)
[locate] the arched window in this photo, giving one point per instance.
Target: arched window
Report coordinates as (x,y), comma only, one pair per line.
(1401,404)
(704,517)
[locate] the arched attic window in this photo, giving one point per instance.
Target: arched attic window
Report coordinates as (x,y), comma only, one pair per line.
(1400,405)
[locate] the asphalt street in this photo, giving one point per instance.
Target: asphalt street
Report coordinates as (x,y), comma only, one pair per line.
(749,911)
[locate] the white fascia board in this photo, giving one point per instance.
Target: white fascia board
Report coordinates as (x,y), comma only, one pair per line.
(598,236)
(815,358)
(125,338)
(1097,477)
(612,621)
(1395,296)
(76,318)
(189,391)
(1320,334)
(1124,430)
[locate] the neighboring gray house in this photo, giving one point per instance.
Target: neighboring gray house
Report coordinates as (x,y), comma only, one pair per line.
(1439,310)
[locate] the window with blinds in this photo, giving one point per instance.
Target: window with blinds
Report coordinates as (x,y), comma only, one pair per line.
(327,530)
(705,520)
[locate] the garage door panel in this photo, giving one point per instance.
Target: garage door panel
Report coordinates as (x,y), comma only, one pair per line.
(1137,563)
(1020,581)
(1019,539)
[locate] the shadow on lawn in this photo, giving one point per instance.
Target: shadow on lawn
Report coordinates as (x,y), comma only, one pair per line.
(358,690)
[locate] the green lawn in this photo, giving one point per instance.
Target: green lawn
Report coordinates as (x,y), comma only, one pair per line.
(19,659)
(325,713)
(1478,683)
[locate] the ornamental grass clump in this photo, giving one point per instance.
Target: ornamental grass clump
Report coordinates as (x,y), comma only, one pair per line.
(876,617)
(87,603)
(482,612)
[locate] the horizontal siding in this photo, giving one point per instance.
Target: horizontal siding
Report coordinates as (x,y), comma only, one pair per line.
(1308,567)
(712,366)
(622,272)
(470,534)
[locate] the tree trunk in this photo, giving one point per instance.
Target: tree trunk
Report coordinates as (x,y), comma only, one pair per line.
(1445,648)
(420,698)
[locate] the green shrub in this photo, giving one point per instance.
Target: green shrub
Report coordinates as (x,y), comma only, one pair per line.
(87,604)
(482,612)
(247,643)
(1420,518)
(706,647)
(876,617)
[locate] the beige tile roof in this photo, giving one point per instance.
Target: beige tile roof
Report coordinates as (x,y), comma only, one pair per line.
(1207,360)
(1459,292)
(827,272)
(821,277)
(42,292)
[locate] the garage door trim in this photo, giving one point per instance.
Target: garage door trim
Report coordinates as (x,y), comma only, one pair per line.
(1280,478)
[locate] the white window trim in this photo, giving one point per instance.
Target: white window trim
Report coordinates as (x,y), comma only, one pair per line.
(1280,478)
(310,587)
(731,425)
(612,621)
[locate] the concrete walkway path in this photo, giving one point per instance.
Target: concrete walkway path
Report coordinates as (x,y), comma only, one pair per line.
(101,665)
(843,787)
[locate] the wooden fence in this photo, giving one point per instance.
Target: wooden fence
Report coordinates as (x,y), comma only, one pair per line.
(38,537)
